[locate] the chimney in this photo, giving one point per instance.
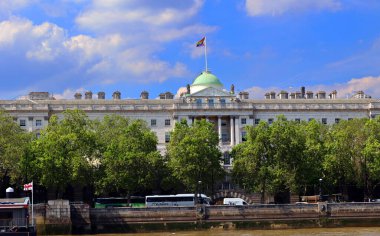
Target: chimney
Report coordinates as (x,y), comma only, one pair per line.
(78,96)
(101,95)
(144,95)
(116,95)
(302,92)
(88,95)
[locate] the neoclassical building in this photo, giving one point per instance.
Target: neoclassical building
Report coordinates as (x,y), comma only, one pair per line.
(205,98)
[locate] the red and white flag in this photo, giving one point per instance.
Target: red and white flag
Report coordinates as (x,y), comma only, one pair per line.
(28,187)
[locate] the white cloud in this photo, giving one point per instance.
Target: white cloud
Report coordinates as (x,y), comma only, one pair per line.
(369,84)
(8,6)
(69,93)
(278,7)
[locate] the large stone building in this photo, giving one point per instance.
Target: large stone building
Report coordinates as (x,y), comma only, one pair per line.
(205,98)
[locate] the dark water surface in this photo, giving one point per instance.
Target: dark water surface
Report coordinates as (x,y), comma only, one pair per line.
(355,231)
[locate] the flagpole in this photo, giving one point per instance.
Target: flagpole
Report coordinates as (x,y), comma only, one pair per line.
(206,53)
(32,206)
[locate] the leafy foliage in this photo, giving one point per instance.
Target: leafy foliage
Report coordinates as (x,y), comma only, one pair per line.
(193,154)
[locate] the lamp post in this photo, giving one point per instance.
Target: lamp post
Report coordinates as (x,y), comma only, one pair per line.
(320,189)
(199,191)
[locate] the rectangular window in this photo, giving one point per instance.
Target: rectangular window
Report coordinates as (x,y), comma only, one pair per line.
(167,122)
(153,122)
(310,119)
(337,120)
(350,118)
(324,121)
(243,136)
(243,121)
(270,120)
(167,137)
(211,102)
(298,120)
(198,101)
(22,122)
(222,101)
(224,137)
(227,158)
(257,121)
(38,122)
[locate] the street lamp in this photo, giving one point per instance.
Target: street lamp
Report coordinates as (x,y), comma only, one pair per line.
(199,191)
(320,189)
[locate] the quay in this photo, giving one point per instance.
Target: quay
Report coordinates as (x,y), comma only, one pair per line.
(14,217)
(61,217)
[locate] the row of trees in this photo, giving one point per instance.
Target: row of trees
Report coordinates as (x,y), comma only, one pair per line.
(288,156)
(116,156)
(113,157)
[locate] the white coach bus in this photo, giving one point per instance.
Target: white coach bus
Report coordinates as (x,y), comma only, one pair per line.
(175,200)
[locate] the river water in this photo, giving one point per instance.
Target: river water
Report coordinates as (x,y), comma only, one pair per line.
(355,231)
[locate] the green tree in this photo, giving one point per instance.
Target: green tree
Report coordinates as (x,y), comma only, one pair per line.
(344,160)
(252,166)
(66,152)
(193,154)
(370,163)
(130,161)
(313,156)
(14,143)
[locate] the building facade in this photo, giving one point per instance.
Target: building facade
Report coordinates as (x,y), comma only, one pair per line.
(205,98)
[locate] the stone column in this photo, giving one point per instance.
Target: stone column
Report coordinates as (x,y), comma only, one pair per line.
(232,130)
(237,130)
(220,130)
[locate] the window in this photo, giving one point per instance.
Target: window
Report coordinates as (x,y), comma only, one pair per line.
(198,101)
(243,136)
(337,120)
(350,118)
(153,122)
(270,120)
(167,122)
(224,122)
(210,102)
(224,137)
(167,137)
(243,121)
(22,122)
(223,101)
(310,119)
(257,121)
(298,120)
(38,122)
(226,158)
(324,121)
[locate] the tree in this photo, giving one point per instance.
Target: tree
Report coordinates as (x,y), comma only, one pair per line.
(252,161)
(130,161)
(193,154)
(313,156)
(65,154)
(344,158)
(14,143)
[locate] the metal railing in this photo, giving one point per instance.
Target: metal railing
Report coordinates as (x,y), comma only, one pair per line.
(15,222)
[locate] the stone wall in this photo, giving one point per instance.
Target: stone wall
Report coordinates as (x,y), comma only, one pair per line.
(61,218)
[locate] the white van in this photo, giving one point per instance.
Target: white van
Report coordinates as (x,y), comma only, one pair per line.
(234,201)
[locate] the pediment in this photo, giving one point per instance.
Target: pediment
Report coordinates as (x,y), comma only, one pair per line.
(212,92)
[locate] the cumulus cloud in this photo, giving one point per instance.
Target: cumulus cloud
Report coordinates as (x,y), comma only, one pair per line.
(369,84)
(278,7)
(9,6)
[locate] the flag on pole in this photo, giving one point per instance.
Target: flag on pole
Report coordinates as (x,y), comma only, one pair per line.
(201,42)
(28,187)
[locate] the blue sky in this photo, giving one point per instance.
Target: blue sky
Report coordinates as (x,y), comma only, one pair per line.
(68,46)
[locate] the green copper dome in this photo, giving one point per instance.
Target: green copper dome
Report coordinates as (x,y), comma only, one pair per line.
(206,78)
